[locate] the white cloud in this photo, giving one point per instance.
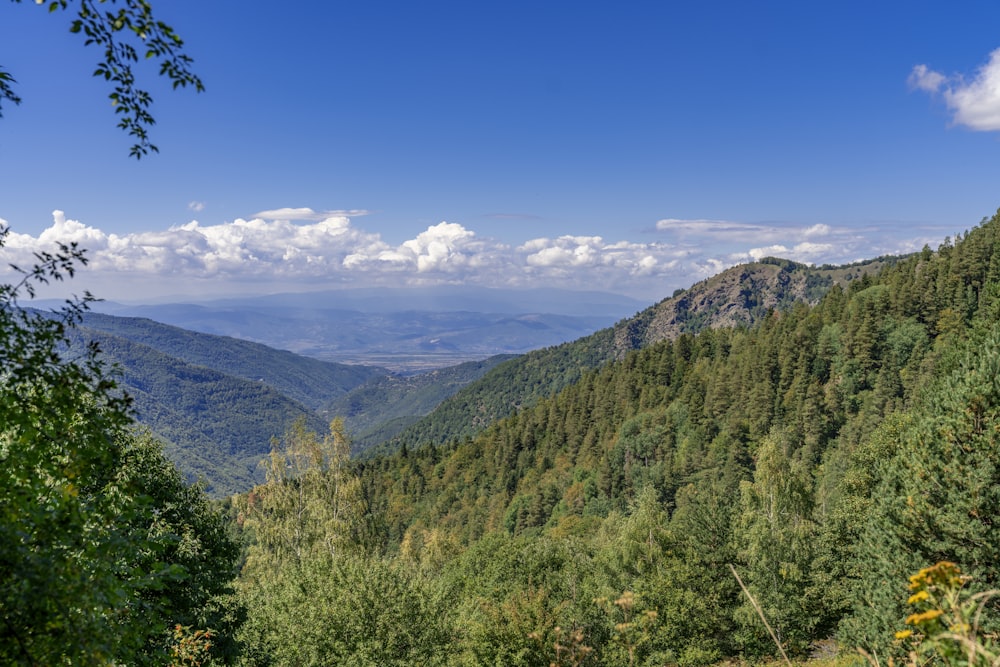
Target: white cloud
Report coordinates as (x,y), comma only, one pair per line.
(707,227)
(975,103)
(271,253)
(734,242)
(307,214)
(727,232)
(805,252)
(196,206)
(446,249)
(809,251)
(565,251)
(816,230)
(769,251)
(923,78)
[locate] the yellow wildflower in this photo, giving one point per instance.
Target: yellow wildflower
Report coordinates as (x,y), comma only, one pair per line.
(929,615)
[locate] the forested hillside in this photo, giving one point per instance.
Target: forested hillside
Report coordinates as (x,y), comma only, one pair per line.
(824,455)
(217,401)
(311,382)
(739,296)
(216,427)
(735,446)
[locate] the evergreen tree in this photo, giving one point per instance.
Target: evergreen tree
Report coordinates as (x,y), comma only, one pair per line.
(936,498)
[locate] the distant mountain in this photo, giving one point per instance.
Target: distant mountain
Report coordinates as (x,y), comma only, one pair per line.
(311,382)
(441,299)
(741,295)
(404,330)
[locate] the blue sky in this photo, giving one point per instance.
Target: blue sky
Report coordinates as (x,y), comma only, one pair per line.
(636,147)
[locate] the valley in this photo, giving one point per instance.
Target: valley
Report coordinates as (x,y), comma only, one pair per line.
(405,331)
(218,401)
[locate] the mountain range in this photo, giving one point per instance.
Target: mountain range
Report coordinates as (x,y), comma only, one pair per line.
(218,401)
(402,330)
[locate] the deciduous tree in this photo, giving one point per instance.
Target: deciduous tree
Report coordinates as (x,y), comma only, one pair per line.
(101,545)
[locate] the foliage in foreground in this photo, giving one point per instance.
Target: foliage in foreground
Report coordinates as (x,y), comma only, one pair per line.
(103,547)
(949,623)
(125,35)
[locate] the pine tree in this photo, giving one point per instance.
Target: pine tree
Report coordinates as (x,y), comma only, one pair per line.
(936,498)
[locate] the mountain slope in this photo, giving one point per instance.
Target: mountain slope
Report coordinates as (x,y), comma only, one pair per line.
(217,427)
(741,295)
(217,401)
(312,382)
(825,453)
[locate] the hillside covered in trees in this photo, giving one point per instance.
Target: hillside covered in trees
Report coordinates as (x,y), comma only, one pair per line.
(826,453)
(217,401)
(739,296)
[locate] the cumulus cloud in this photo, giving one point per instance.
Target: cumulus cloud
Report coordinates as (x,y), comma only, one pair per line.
(801,252)
(196,206)
(445,249)
(975,103)
(769,251)
(719,243)
(271,252)
(816,230)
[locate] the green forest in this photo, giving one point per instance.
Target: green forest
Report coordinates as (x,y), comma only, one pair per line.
(821,483)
